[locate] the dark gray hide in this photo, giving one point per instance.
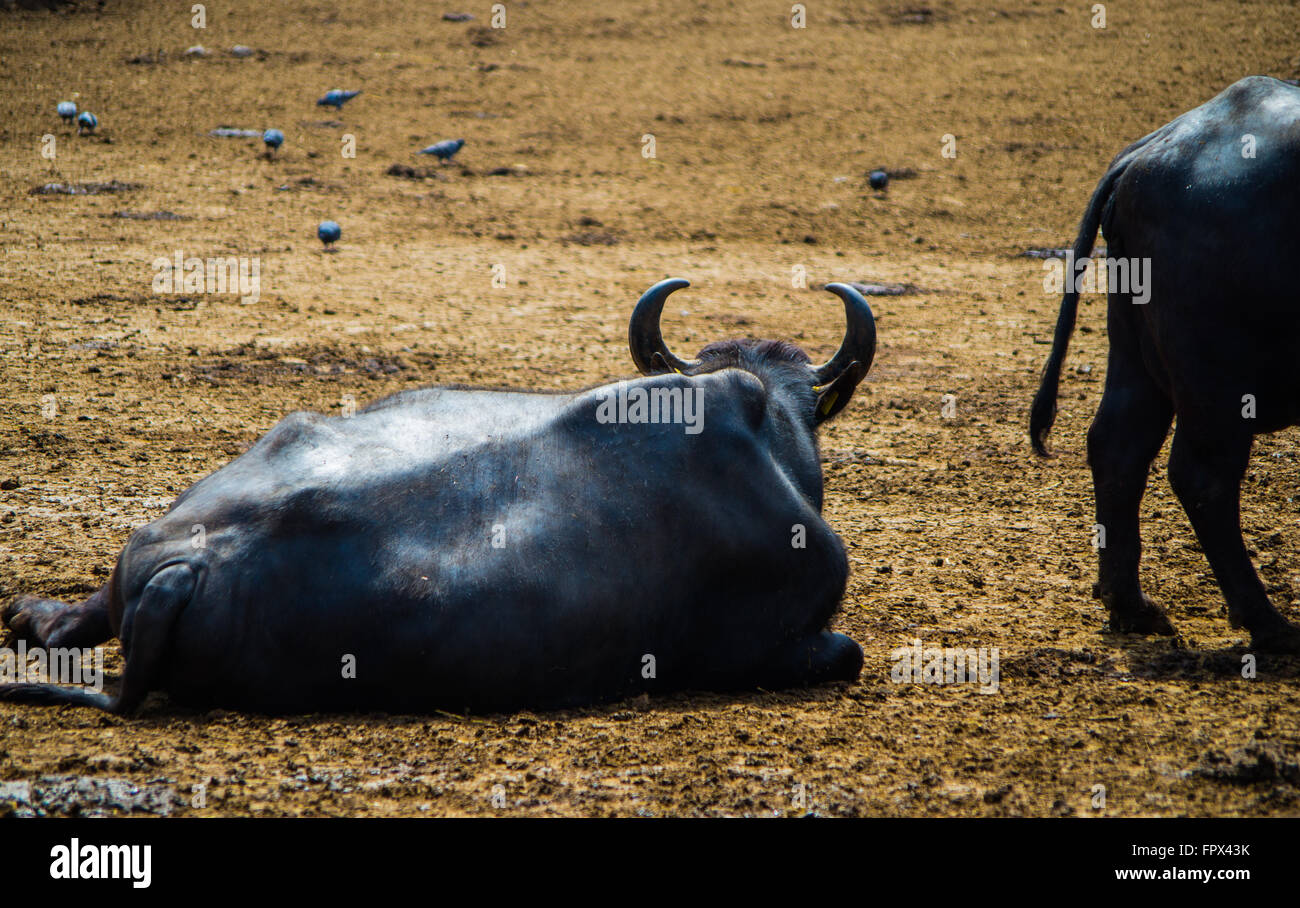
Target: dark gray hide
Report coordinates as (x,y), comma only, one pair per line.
(492,550)
(1217,344)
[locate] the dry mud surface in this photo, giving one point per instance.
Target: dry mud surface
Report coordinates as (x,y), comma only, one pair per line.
(764,136)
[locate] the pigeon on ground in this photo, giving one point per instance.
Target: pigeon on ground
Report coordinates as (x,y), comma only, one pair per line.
(273,139)
(67,110)
(329,232)
(444,150)
(87,121)
(336,98)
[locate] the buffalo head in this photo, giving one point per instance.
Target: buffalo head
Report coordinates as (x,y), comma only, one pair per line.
(825,388)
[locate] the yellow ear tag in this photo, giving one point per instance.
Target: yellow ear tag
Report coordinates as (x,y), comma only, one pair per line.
(829,402)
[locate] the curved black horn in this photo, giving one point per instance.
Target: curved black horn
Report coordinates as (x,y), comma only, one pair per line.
(643,334)
(859,343)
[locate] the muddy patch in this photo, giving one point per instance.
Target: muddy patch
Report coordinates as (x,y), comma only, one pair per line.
(150,216)
(1255,763)
(85,188)
(87,796)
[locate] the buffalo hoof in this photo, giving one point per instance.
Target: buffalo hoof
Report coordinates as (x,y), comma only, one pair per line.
(31,618)
(841,659)
(817,659)
(1139,617)
(1279,637)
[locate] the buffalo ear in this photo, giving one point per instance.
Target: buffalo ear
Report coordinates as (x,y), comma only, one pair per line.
(832,397)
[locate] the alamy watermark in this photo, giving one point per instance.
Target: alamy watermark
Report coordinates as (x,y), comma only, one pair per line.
(236,275)
(1122,275)
(75,861)
(60,665)
(627,402)
(917,664)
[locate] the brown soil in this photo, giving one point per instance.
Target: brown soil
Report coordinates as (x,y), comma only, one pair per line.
(764,137)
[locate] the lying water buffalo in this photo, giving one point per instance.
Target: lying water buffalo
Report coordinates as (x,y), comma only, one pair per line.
(492,550)
(1210,205)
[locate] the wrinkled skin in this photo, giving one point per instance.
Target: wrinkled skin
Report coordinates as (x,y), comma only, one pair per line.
(1222,231)
(487,550)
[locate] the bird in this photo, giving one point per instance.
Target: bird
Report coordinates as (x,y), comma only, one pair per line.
(336,98)
(329,232)
(273,139)
(67,110)
(86,121)
(878,179)
(444,150)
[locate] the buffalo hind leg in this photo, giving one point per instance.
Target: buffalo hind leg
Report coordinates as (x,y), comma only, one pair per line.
(816,659)
(1206,472)
(50,623)
(146,642)
(1125,437)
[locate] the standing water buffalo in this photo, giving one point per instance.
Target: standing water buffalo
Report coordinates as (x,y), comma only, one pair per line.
(493,550)
(1212,202)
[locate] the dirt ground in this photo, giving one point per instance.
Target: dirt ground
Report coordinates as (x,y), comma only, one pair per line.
(763,137)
